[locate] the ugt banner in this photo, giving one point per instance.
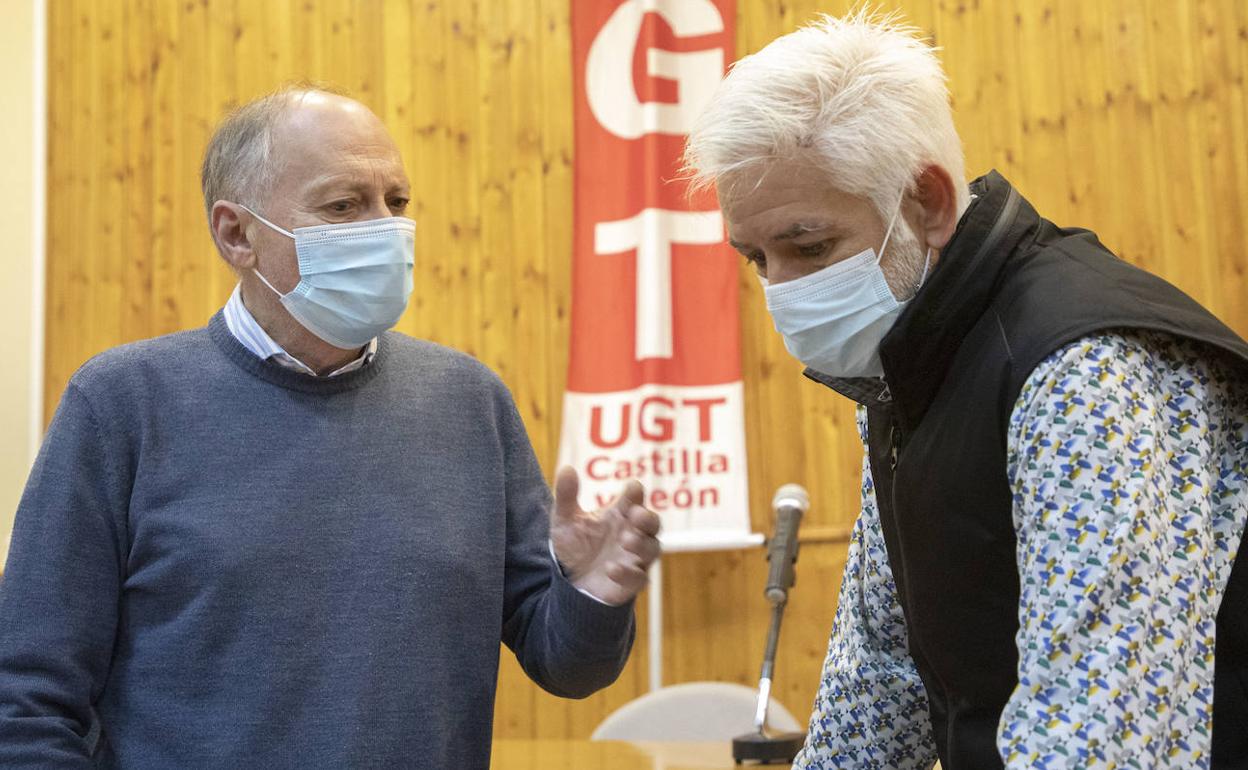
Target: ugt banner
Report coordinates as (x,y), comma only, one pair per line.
(654,378)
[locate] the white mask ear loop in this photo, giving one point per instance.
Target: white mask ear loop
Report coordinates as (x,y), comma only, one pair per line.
(889,232)
(283,231)
(265,281)
(927,262)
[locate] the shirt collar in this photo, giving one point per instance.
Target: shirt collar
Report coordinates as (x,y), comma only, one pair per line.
(243,325)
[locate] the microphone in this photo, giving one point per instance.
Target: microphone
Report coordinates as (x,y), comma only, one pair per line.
(790,502)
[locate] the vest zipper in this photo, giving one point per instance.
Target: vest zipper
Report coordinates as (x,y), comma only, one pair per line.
(894,442)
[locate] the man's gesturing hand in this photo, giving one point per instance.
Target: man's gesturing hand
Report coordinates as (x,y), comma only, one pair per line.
(606,553)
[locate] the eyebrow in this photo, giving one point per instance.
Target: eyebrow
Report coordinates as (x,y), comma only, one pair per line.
(347,182)
(789,233)
(795,230)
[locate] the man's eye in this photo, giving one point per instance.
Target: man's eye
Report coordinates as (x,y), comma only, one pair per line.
(398,204)
(340,207)
(813,249)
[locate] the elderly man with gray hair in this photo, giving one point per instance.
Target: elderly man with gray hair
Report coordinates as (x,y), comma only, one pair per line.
(1043,573)
(292,538)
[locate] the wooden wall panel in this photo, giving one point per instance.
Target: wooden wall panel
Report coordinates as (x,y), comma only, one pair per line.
(1125,117)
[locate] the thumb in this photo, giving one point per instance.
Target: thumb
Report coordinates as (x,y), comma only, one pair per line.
(567,484)
(632,494)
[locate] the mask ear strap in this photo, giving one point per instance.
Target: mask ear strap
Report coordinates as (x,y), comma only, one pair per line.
(284,232)
(927,262)
(281,230)
(266,282)
(889,232)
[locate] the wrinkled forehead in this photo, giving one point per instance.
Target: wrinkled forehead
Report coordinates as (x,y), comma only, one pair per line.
(786,194)
(326,133)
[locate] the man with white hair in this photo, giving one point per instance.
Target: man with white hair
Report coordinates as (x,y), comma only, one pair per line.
(1054,489)
(292,538)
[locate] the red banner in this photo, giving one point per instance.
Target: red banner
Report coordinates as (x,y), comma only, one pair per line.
(654,379)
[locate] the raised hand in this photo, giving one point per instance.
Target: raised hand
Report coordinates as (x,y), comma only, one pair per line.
(608,552)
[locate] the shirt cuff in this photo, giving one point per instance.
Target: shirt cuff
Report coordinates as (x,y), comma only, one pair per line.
(551,545)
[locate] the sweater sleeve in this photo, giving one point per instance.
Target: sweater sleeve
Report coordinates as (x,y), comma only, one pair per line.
(871,707)
(567,642)
(1123,451)
(59,594)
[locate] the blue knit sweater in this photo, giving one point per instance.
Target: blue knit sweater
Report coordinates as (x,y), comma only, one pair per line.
(218,562)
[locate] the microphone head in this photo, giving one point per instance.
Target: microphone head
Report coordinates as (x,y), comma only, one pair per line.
(791,495)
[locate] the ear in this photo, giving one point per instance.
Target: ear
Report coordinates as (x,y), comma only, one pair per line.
(938,206)
(229,230)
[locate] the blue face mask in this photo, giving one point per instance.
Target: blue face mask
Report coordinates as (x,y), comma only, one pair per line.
(354,277)
(834,319)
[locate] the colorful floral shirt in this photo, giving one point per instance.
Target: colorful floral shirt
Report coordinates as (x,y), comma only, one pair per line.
(1127,457)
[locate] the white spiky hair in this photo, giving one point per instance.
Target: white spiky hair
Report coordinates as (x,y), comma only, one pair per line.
(863,97)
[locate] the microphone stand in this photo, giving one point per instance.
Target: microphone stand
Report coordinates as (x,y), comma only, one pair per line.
(758,746)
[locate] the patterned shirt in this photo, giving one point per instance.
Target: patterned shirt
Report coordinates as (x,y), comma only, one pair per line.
(1127,456)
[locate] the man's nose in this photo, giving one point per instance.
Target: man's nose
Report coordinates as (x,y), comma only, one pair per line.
(376,209)
(781,270)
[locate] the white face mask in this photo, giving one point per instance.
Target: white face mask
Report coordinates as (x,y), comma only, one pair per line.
(354,277)
(834,319)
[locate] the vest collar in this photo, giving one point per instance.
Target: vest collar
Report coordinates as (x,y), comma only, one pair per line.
(918,350)
(871,392)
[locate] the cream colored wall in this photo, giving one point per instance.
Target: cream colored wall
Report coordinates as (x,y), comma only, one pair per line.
(21,292)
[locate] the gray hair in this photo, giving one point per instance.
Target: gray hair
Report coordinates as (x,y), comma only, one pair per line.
(861,97)
(239,162)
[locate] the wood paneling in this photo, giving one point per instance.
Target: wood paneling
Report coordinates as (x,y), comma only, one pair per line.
(1121,116)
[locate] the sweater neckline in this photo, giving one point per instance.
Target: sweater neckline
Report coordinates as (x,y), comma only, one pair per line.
(289,379)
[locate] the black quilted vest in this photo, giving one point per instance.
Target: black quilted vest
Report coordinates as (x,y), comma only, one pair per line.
(1011,288)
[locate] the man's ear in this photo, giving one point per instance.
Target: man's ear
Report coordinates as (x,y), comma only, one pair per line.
(230,233)
(938,206)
